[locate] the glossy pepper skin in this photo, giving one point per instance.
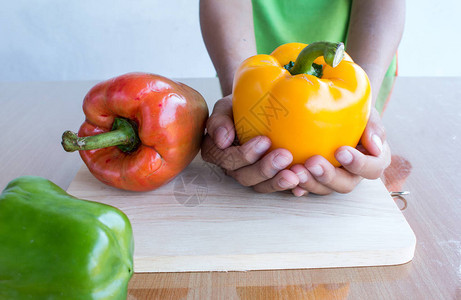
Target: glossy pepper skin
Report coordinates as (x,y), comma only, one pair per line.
(55,246)
(165,122)
(303,113)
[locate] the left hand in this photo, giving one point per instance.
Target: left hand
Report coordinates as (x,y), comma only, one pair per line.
(368,160)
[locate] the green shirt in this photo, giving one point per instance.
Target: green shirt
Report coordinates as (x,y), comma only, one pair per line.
(277,22)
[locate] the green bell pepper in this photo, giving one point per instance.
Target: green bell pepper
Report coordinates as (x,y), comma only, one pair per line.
(55,246)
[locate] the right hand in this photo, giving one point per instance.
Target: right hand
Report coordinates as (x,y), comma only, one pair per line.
(248,163)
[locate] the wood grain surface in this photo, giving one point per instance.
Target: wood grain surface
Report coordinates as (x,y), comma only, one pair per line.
(205,221)
(423,122)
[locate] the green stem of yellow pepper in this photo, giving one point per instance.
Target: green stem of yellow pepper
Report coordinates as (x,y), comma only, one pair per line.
(333,53)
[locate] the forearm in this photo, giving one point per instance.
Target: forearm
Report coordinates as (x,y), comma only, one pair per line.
(375,31)
(228,33)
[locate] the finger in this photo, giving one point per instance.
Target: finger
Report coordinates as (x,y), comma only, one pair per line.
(374,134)
(283,180)
(362,149)
(235,157)
(220,125)
(337,179)
(264,169)
(209,151)
(367,166)
(308,182)
(299,192)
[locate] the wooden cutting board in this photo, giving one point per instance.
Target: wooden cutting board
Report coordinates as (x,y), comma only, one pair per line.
(205,221)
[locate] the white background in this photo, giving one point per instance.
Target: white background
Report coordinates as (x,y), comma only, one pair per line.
(78,40)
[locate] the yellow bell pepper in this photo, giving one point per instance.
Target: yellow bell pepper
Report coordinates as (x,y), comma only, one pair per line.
(309,99)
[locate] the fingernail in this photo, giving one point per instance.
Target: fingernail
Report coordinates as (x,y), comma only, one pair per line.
(281,161)
(302,176)
(221,135)
(261,146)
(344,157)
(298,192)
(377,140)
(284,183)
(316,170)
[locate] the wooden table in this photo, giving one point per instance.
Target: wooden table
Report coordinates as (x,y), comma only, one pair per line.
(423,124)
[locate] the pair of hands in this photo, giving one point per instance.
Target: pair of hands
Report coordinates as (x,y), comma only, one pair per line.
(251,166)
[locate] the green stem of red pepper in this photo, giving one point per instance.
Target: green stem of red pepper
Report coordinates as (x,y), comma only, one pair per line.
(124,135)
(333,53)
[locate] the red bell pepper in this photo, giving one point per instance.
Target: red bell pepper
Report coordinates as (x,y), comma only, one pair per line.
(140,131)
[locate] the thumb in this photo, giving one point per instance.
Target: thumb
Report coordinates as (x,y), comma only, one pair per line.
(374,134)
(220,125)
